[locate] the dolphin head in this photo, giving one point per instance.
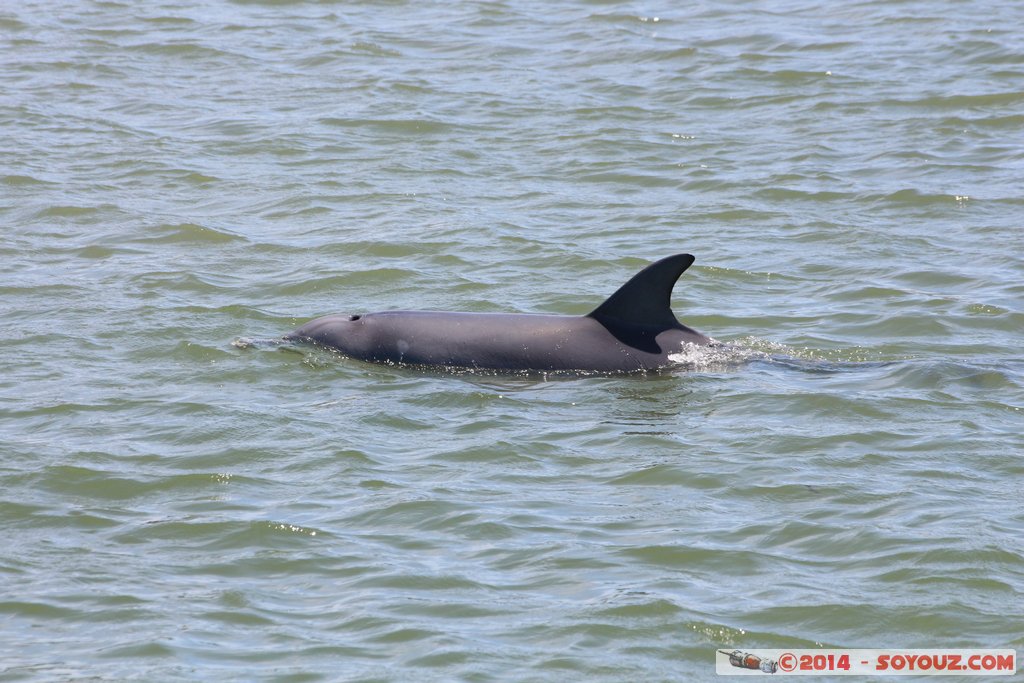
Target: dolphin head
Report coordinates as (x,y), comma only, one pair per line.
(349,333)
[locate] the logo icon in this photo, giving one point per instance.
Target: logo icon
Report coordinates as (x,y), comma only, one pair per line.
(745,660)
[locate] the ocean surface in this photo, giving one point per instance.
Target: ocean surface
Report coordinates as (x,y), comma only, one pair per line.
(178,178)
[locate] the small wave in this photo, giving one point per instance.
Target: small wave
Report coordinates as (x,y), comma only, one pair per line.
(716,356)
(726,356)
(251,343)
(23,180)
(852,355)
(186,233)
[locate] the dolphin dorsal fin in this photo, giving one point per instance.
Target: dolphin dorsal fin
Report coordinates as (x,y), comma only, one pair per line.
(646,300)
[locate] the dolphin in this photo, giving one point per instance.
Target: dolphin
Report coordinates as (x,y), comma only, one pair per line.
(634,330)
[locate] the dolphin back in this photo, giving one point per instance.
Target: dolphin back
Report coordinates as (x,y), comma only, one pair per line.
(634,329)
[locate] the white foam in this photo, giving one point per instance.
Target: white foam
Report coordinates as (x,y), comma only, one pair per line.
(715,356)
(724,356)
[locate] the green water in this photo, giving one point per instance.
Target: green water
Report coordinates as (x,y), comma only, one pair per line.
(179,176)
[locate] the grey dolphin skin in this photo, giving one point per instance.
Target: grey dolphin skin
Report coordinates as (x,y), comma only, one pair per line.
(633,330)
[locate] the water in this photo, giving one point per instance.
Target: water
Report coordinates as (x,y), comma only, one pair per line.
(177,176)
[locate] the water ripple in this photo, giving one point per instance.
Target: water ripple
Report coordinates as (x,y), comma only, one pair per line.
(842,471)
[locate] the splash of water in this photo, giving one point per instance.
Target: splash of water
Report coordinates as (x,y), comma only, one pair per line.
(719,356)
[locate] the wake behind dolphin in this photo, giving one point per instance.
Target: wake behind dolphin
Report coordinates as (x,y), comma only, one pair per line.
(634,330)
